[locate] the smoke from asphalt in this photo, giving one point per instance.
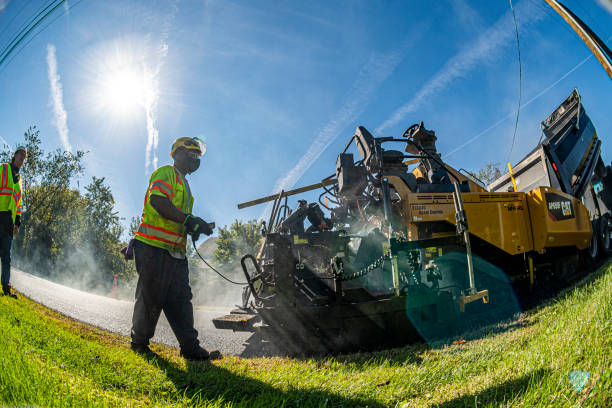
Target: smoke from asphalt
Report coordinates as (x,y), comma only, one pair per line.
(209,289)
(80,269)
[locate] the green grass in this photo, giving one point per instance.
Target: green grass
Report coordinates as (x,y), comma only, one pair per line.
(47,359)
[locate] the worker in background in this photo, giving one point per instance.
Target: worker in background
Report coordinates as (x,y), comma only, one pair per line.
(10,213)
(159,252)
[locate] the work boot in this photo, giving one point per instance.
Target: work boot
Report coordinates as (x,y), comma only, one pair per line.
(142,349)
(8,292)
(201,354)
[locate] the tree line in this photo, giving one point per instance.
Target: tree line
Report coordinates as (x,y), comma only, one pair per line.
(71,236)
(74,236)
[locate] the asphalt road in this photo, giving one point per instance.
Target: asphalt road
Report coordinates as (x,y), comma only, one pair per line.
(116,315)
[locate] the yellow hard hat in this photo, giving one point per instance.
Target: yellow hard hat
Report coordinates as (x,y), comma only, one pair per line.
(189,143)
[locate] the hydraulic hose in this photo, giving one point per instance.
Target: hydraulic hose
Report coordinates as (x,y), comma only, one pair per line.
(216,271)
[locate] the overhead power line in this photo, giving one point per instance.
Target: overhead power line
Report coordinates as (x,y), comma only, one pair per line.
(14,17)
(518,110)
(29,28)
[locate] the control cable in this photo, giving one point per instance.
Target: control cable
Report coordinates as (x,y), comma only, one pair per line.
(216,271)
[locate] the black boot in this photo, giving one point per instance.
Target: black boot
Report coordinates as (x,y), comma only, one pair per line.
(8,292)
(142,349)
(201,354)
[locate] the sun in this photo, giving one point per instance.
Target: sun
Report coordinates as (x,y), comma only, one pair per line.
(124,90)
(121,81)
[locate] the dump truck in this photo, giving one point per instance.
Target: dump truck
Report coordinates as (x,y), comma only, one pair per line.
(568,159)
(402,247)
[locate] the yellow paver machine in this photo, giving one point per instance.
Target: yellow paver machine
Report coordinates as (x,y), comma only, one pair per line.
(411,246)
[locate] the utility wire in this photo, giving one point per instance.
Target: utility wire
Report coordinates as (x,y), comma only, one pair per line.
(518,110)
(24,26)
(509,115)
(26,29)
(14,17)
(31,38)
(216,271)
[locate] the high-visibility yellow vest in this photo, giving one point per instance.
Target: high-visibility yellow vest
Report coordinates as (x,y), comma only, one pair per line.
(10,193)
(156,230)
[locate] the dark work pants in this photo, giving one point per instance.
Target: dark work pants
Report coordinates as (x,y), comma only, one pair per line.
(6,241)
(163,284)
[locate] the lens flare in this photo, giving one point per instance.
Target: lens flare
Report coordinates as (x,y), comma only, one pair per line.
(503,303)
(124,90)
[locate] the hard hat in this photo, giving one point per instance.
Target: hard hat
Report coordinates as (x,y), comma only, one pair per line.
(189,143)
(21,148)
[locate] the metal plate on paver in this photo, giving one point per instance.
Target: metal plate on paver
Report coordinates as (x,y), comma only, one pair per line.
(236,322)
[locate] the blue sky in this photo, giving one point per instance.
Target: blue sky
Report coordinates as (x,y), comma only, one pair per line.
(277,88)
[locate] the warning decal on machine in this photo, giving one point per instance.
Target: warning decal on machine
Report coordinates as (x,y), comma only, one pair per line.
(559,207)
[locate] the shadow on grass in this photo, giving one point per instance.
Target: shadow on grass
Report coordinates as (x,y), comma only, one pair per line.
(499,394)
(395,356)
(503,314)
(399,355)
(203,381)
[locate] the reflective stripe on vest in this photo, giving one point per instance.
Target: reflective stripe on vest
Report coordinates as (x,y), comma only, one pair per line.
(10,193)
(4,174)
(156,230)
(162,235)
(163,187)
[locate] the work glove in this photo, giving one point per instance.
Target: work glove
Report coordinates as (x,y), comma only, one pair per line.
(196,226)
(128,251)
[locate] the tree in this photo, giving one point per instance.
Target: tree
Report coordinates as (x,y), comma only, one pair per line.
(134,225)
(66,235)
(489,173)
(50,206)
(104,229)
(239,239)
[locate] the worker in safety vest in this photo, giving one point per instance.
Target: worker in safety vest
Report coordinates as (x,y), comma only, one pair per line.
(159,252)
(10,213)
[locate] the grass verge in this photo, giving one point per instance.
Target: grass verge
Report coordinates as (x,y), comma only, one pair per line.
(47,359)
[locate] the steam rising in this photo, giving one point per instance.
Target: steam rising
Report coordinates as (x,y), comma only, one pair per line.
(208,288)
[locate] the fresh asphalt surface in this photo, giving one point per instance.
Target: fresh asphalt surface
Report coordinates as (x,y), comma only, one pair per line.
(116,315)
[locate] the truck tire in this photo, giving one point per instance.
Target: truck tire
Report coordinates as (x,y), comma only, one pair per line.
(593,250)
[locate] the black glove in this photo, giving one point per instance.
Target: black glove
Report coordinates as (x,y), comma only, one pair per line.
(196,226)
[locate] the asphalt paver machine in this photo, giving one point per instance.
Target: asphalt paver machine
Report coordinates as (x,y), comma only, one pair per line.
(408,246)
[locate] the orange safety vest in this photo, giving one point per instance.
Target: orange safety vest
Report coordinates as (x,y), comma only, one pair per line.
(10,193)
(156,230)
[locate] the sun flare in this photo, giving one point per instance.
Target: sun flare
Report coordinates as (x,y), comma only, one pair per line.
(124,90)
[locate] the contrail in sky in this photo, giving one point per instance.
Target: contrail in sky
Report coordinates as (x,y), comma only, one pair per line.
(486,46)
(371,76)
(151,103)
(513,113)
(152,97)
(57,99)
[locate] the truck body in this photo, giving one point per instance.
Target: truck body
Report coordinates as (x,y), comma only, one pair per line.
(568,158)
